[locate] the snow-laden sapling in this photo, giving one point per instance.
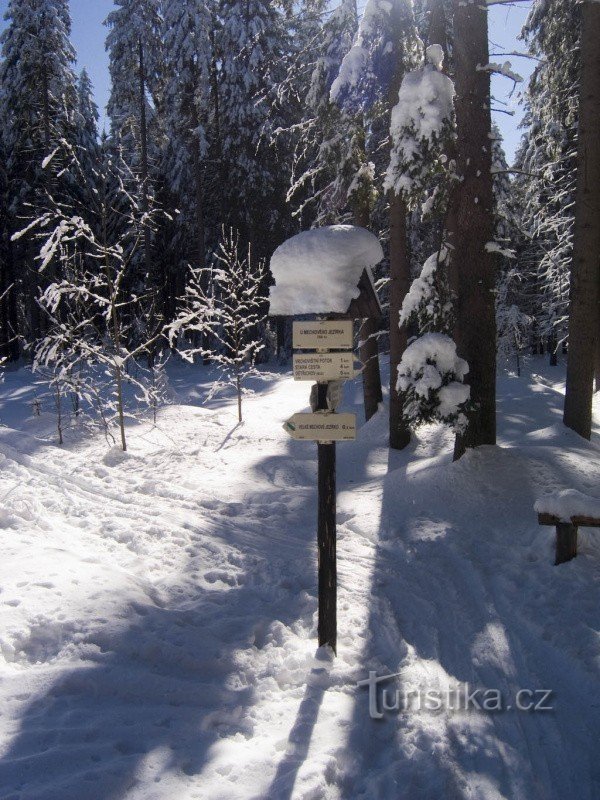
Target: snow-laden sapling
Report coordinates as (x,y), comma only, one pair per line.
(222,315)
(513,324)
(430,376)
(428,301)
(93,333)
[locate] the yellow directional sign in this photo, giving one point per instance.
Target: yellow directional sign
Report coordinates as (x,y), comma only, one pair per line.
(323,366)
(323,335)
(322,427)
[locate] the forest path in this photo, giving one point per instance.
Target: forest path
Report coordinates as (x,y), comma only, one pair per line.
(159,610)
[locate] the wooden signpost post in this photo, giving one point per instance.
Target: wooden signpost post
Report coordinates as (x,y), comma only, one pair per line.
(331,360)
(324,354)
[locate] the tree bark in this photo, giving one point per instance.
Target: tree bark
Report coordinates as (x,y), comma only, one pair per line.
(597,367)
(369,357)
(472,267)
(399,286)
(585,271)
(400,277)
(437,30)
(369,347)
(144,157)
(9,325)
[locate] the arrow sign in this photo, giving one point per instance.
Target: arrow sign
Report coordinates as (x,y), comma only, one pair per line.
(322,427)
(323,335)
(323,366)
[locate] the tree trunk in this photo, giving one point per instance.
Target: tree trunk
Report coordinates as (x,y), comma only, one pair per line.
(199,202)
(597,367)
(472,266)
(369,348)
(553,349)
(144,157)
(585,270)
(400,277)
(437,29)
(9,293)
(399,286)
(369,357)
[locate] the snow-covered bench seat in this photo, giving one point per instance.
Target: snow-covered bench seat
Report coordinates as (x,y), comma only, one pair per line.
(568,510)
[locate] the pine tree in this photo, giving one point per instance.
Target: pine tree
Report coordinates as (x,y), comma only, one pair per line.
(547,159)
(135,61)
(87,145)
(330,150)
(188,53)
(86,126)
(253,44)
(9,346)
(37,108)
(512,321)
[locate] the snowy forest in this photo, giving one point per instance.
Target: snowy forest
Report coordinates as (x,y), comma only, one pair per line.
(165,606)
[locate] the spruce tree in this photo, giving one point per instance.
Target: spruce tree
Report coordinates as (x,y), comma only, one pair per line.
(37,110)
(188,53)
(253,43)
(547,159)
(135,62)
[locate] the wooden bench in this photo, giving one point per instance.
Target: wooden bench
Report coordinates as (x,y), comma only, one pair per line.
(566,533)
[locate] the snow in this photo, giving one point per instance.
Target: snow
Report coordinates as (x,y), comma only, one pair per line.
(317,271)
(568,503)
(501,69)
(351,70)
(451,397)
(430,373)
(422,289)
(159,607)
(424,108)
(46,161)
(357,61)
(435,55)
(435,347)
(497,248)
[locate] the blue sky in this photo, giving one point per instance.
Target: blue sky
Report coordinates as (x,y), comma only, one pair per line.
(505,23)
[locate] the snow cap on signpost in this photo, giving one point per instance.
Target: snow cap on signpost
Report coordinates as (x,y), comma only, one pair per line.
(321,271)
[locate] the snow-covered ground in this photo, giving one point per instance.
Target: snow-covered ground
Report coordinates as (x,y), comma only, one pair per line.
(158,609)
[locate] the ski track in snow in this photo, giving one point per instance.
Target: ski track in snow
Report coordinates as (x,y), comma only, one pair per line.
(159,608)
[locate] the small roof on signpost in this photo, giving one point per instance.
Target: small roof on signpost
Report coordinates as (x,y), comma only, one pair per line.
(326,271)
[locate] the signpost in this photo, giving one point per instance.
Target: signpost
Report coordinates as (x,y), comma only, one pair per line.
(327,366)
(323,366)
(323,334)
(322,427)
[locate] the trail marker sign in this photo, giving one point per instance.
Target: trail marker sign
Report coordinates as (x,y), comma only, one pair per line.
(324,367)
(322,427)
(323,335)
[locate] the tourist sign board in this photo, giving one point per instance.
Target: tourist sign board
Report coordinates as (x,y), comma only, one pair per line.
(322,427)
(323,335)
(323,366)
